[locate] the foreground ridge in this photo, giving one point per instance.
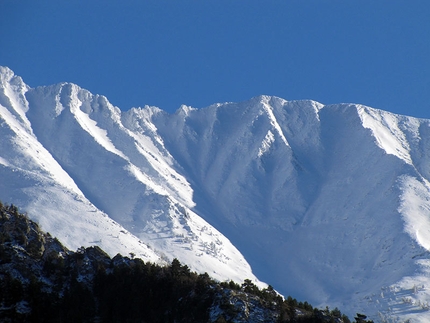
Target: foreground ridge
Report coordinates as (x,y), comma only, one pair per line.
(40,280)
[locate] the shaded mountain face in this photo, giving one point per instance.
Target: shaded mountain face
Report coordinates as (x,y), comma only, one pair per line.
(326,203)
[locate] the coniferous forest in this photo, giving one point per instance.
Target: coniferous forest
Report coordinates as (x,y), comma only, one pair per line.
(42,281)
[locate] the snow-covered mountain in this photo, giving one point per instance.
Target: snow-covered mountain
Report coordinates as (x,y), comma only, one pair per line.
(329,204)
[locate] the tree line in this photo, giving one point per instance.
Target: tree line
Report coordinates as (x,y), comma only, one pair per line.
(42,281)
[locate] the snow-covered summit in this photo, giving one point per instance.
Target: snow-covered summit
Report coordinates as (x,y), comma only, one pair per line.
(90,174)
(327,203)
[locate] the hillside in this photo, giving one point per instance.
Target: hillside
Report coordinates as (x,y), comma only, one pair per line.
(337,196)
(40,281)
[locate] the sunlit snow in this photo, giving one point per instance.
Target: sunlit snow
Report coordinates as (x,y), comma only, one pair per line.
(327,203)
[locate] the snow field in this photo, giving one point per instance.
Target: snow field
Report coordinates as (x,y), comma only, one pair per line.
(329,204)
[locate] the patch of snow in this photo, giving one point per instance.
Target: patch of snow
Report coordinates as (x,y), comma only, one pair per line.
(4,162)
(267,142)
(385,128)
(90,125)
(415,208)
(273,122)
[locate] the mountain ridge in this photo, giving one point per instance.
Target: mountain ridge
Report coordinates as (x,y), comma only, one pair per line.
(325,193)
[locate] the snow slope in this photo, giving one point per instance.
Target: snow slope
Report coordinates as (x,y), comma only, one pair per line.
(329,204)
(68,160)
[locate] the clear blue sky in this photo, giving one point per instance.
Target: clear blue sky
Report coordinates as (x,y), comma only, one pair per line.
(168,53)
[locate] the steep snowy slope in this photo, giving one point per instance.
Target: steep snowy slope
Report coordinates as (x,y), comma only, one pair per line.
(81,173)
(31,178)
(329,204)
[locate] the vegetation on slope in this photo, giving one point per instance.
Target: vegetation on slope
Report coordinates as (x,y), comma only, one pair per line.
(42,281)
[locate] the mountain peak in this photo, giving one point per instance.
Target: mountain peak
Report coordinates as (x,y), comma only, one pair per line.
(6,73)
(185,110)
(305,196)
